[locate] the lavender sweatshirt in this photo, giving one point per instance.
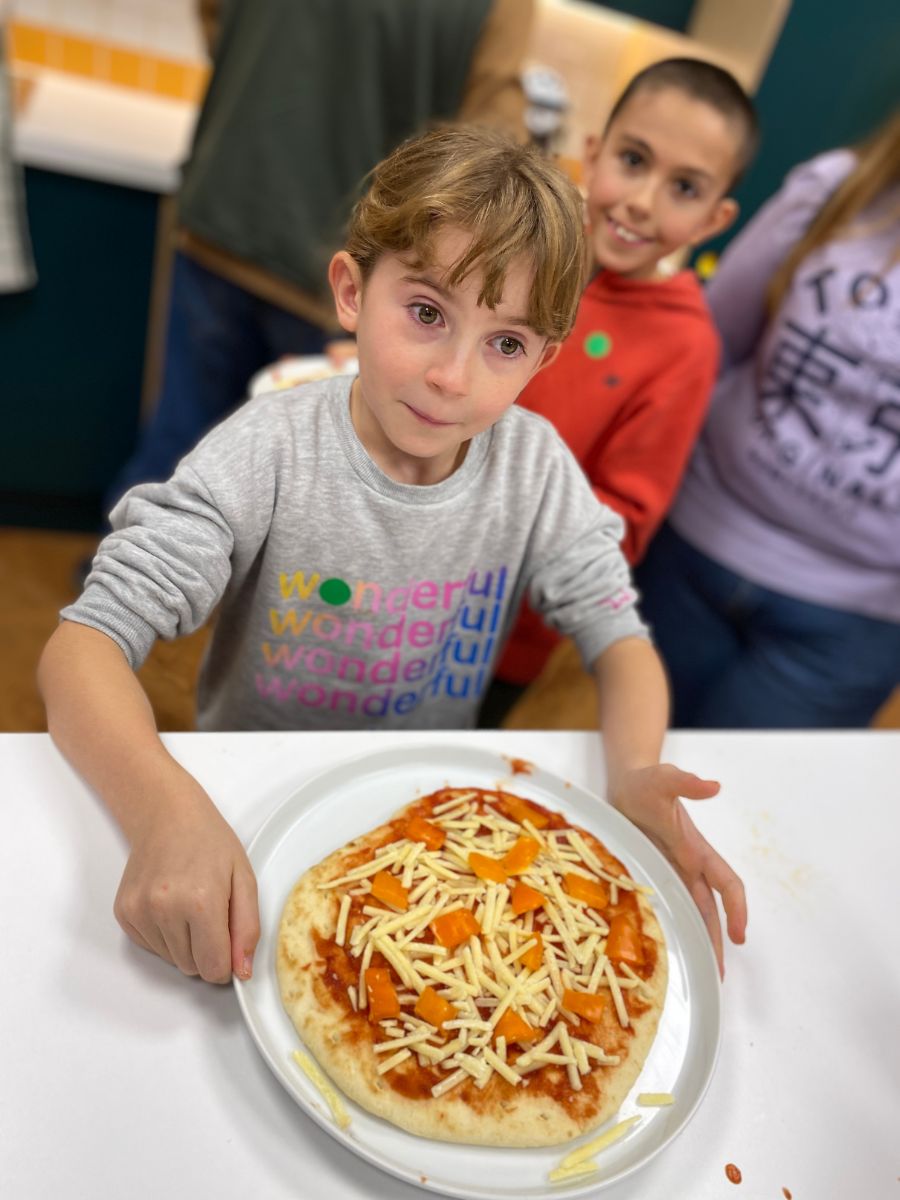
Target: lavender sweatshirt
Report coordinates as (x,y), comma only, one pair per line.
(795,482)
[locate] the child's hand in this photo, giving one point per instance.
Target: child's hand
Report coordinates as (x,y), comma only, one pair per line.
(650,797)
(188,893)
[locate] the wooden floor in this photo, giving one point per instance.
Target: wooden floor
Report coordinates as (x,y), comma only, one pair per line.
(37,578)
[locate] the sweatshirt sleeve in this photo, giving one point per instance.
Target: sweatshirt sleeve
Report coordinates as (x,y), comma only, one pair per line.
(170,557)
(579,579)
(638,467)
(162,570)
(737,292)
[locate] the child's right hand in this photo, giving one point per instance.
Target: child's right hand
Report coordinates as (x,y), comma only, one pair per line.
(188,892)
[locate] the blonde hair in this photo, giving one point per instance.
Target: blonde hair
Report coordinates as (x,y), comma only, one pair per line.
(514,203)
(877,169)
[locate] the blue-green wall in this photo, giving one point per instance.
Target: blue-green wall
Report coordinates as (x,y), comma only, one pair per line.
(674,14)
(834,74)
(72,350)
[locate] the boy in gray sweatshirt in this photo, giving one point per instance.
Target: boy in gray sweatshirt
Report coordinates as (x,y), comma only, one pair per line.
(366,544)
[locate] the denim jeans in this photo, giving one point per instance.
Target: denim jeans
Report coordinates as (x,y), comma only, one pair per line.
(743,656)
(217,337)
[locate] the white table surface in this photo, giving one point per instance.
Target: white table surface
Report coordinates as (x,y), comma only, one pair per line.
(120,1078)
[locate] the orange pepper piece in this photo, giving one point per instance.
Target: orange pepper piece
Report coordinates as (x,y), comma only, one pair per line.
(383,1000)
(520,810)
(420,830)
(534,955)
(585,1004)
(591,892)
(624,941)
(514,1029)
(451,928)
(487,868)
(521,856)
(434,1008)
(525,898)
(389,890)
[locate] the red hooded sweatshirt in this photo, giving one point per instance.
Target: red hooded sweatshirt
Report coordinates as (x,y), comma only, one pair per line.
(628,393)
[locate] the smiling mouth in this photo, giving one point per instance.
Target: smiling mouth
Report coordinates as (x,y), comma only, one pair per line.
(623,234)
(426,420)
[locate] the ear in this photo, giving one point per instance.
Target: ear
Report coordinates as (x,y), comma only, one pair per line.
(722,217)
(592,146)
(548,354)
(346,282)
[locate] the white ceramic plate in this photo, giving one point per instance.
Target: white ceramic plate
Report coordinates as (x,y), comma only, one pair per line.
(290,371)
(350,799)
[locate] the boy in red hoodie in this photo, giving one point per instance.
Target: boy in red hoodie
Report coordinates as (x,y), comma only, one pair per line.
(629,389)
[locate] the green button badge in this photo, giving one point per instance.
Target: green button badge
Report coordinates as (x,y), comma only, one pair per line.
(597,345)
(335,591)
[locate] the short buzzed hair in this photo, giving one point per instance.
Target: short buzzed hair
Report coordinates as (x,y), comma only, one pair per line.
(514,203)
(702,81)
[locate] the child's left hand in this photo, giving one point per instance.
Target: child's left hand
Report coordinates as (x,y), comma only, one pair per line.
(651,798)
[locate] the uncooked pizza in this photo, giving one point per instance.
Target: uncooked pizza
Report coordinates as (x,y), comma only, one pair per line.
(475,970)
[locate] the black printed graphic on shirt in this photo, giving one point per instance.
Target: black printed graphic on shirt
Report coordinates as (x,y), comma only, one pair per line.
(828,416)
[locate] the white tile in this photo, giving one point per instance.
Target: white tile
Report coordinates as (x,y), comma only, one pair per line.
(171,37)
(166,27)
(83,17)
(34,12)
(126,26)
(187,45)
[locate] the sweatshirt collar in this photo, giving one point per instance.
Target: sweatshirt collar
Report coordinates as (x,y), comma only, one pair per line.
(376,480)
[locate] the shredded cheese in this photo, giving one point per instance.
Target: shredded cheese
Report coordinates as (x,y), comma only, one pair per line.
(605,1139)
(447,1084)
(314,1074)
(579,1171)
(484,976)
(621,1011)
(393,1061)
(344,912)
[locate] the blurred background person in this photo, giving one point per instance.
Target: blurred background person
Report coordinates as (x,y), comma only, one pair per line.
(303,100)
(629,389)
(774,589)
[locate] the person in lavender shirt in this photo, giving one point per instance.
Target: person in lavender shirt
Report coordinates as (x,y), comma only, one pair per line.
(774,589)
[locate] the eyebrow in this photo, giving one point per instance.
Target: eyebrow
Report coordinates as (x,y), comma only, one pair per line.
(442,291)
(696,172)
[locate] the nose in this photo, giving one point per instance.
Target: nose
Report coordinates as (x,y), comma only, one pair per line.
(450,370)
(640,200)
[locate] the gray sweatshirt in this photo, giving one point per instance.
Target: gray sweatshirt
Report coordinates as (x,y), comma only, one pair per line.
(347,600)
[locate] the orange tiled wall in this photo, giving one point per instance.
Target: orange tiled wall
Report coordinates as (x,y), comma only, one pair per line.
(93,58)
